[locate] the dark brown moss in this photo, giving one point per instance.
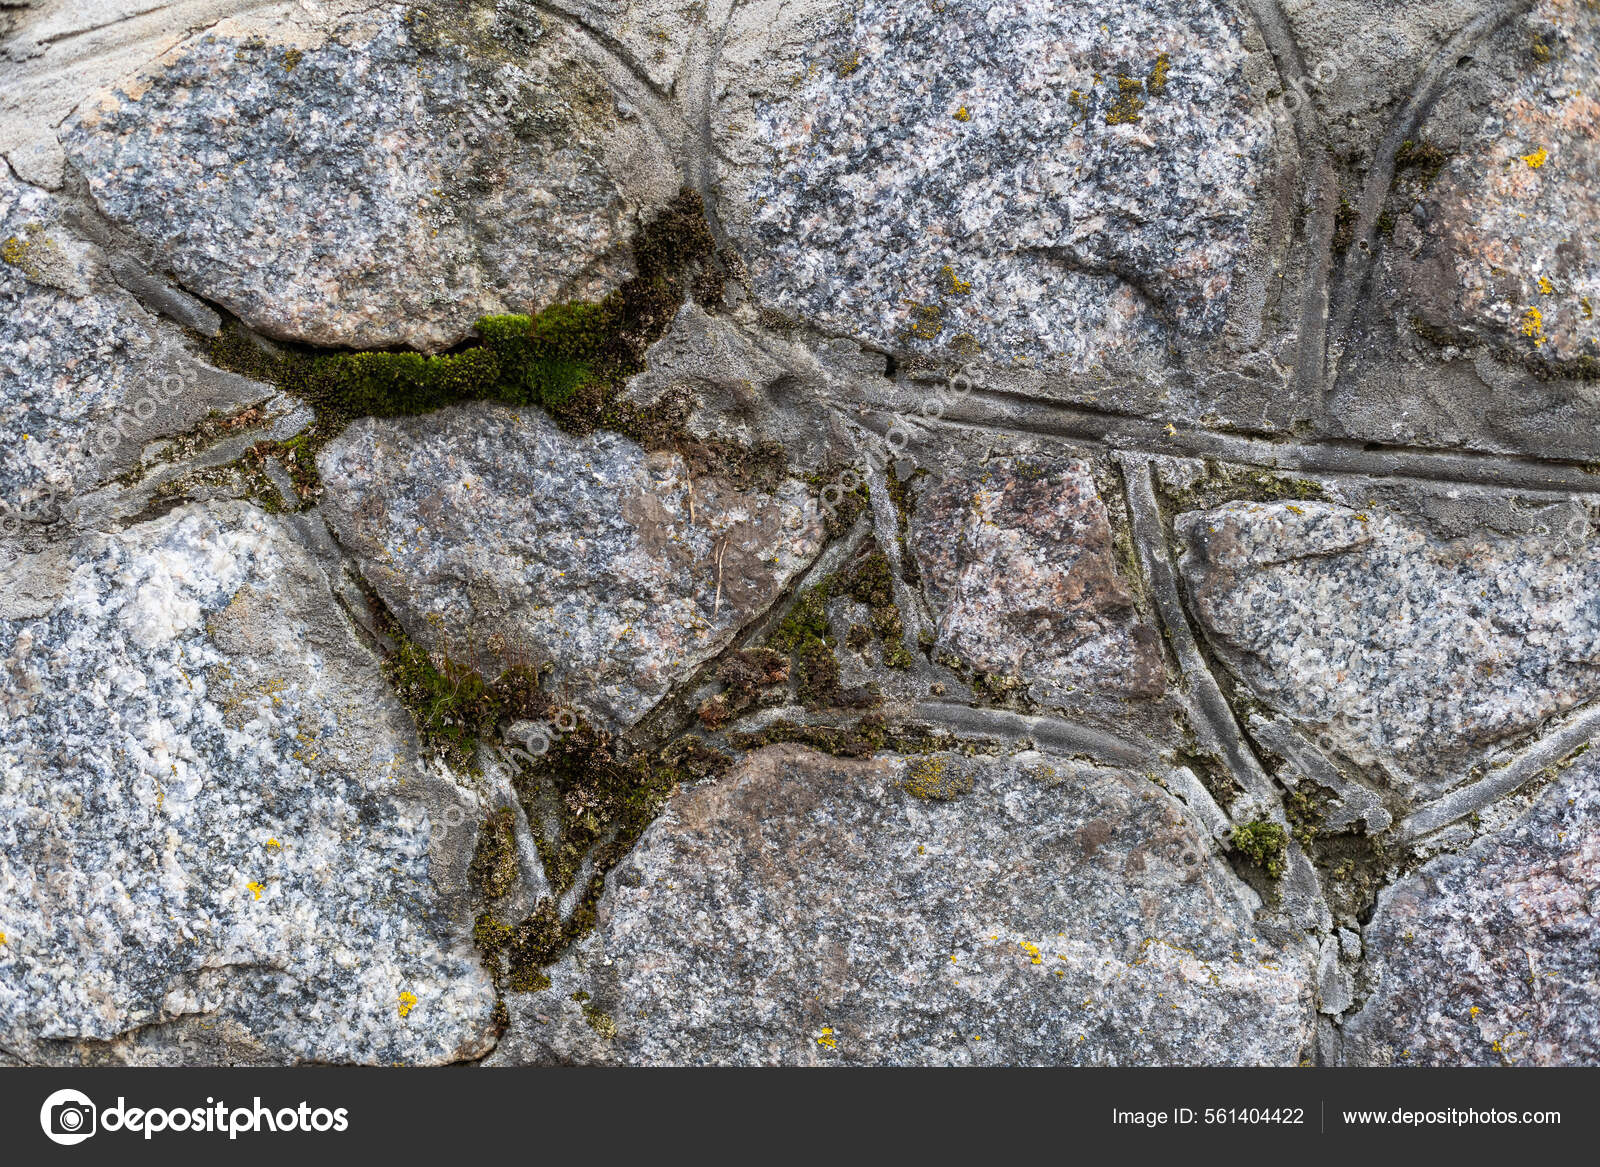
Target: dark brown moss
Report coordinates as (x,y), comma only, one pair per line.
(746,676)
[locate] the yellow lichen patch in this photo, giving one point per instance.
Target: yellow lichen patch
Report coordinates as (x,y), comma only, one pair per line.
(2,937)
(1125,109)
(962,115)
(1536,159)
(954,285)
(848,65)
(274,845)
(933,778)
(256,888)
(827,1039)
(14,251)
(926,320)
(1157,81)
(1546,287)
(1533,326)
(408,1001)
(1032,950)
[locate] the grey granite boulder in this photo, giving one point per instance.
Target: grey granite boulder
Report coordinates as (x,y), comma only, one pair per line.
(937,910)
(492,534)
(70,353)
(1063,185)
(1500,247)
(1018,561)
(385,180)
(1407,652)
(1488,957)
(217,843)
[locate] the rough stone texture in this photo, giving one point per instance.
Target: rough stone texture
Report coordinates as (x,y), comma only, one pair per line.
(68,353)
(379,185)
(1502,246)
(806,910)
(1487,958)
(1051,183)
(1191,259)
(208,809)
(484,527)
(1406,651)
(1019,563)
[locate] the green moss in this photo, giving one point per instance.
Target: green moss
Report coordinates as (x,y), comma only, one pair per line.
(996,688)
(870,581)
(807,621)
(1224,482)
(453,706)
(1306,807)
(605,793)
(1263,843)
(858,740)
(494,861)
(571,359)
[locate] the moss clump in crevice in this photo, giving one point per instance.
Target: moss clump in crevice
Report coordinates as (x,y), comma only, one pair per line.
(453,706)
(494,860)
(745,675)
(1225,482)
(999,689)
(901,495)
(857,740)
(1264,843)
(1424,158)
(571,359)
(1306,807)
(838,514)
(605,794)
(869,581)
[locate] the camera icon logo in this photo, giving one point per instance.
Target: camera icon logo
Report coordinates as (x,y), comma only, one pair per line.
(68,1117)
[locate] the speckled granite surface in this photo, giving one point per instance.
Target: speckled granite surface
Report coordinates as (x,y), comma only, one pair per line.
(1010,534)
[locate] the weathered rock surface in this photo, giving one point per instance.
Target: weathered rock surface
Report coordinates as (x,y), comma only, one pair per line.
(1406,651)
(1501,247)
(68,353)
(1066,185)
(210,811)
(1116,752)
(1019,563)
(89,378)
(491,533)
(808,910)
(374,183)
(1487,958)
